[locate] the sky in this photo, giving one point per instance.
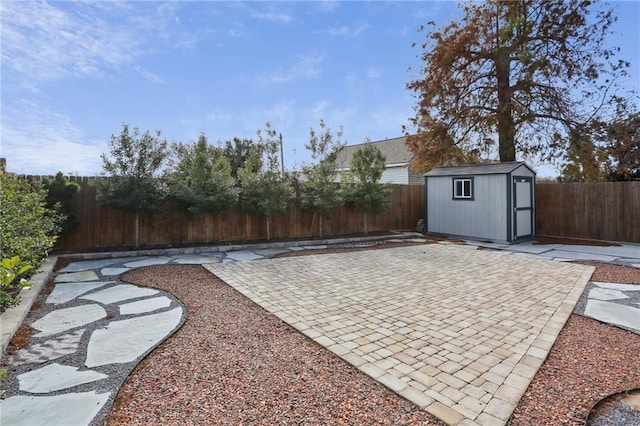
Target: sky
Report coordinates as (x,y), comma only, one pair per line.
(72,73)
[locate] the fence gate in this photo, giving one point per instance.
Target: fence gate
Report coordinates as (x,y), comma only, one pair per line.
(523,211)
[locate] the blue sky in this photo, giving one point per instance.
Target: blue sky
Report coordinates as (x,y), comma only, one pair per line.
(74,72)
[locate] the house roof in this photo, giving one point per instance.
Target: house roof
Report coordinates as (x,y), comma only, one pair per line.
(478,169)
(394,150)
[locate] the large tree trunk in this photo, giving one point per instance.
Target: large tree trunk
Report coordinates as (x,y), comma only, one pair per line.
(506,130)
(137,226)
(268,228)
(206,227)
(366,223)
(320,225)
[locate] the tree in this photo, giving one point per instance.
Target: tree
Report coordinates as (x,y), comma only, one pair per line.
(320,192)
(133,168)
(362,182)
(609,152)
(264,189)
(202,179)
(60,194)
(622,136)
(237,151)
(525,70)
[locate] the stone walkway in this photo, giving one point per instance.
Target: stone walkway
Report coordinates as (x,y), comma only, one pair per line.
(456,330)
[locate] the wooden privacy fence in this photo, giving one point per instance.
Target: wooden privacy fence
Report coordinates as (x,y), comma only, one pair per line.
(599,211)
(105,227)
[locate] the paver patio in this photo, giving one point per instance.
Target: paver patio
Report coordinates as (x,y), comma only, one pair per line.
(459,332)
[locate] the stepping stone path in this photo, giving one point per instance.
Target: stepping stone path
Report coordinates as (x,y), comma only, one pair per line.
(91,333)
(94,329)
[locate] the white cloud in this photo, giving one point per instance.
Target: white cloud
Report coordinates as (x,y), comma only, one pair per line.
(237,30)
(374,73)
(328,6)
(36,140)
(270,13)
(307,66)
(47,41)
(149,76)
(43,42)
(348,31)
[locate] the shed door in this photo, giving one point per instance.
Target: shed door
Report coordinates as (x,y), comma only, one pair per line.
(523,207)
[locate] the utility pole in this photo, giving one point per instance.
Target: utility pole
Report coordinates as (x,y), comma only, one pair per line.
(281,155)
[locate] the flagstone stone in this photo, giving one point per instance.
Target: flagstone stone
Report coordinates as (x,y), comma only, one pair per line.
(577,255)
(56,377)
(48,351)
(64,292)
(107,272)
(315,247)
(65,409)
(242,255)
(616,286)
(146,305)
(124,341)
(606,294)
(68,318)
(622,250)
(161,260)
(614,313)
(196,260)
(529,247)
(94,264)
(118,293)
(632,401)
(75,277)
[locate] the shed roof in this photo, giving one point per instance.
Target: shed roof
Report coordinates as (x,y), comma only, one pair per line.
(394,150)
(478,169)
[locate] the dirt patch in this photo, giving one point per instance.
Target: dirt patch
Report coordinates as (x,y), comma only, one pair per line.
(21,338)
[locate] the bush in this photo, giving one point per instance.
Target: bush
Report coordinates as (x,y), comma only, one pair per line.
(9,273)
(60,194)
(27,229)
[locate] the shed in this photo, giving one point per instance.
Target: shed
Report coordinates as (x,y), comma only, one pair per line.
(493,202)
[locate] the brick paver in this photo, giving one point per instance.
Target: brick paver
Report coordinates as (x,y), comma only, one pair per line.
(459,332)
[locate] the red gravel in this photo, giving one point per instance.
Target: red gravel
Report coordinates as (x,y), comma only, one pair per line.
(614,273)
(589,361)
(234,363)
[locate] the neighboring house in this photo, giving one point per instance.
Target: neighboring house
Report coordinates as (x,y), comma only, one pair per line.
(398,159)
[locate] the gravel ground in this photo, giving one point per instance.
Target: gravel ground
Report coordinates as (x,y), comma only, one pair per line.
(588,362)
(234,363)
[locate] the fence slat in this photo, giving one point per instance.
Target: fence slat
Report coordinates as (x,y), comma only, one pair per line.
(602,211)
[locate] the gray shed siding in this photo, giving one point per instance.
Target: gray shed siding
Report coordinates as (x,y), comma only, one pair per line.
(483,217)
(501,206)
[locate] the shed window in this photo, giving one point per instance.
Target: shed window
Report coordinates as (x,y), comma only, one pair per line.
(463,188)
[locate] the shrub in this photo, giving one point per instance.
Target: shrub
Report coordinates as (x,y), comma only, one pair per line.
(9,273)
(60,194)
(27,229)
